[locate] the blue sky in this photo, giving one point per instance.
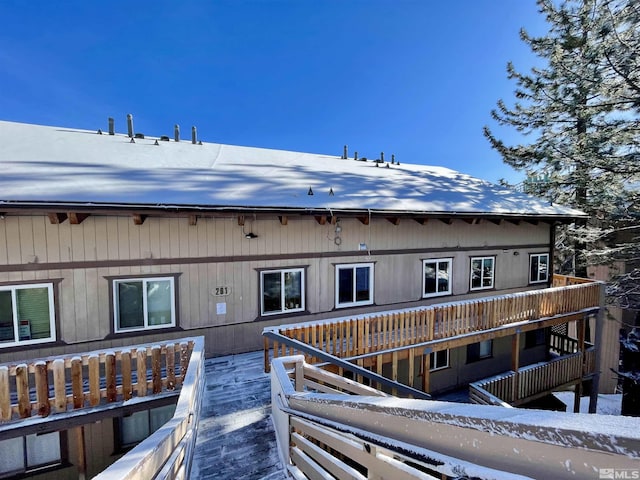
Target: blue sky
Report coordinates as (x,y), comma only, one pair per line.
(414,78)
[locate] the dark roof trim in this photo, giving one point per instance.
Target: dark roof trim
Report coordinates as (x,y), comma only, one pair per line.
(207,211)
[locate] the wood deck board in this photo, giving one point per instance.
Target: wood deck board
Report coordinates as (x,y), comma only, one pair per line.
(236,439)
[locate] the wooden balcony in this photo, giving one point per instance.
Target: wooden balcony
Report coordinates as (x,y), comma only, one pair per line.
(533,381)
(72,382)
(70,391)
(364,343)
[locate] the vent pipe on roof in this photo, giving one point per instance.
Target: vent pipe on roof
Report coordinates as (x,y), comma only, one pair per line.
(194,135)
(345,152)
(112,126)
(382,157)
(176,132)
(355,155)
(393,159)
(130,124)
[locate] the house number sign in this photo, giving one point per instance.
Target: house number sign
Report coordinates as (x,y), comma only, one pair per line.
(222,291)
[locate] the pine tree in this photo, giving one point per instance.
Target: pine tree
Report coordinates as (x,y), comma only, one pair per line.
(581,110)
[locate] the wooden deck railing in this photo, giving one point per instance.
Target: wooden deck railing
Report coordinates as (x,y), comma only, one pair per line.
(327,436)
(168,452)
(306,377)
(514,388)
(563,344)
(73,382)
(566,280)
(349,337)
(313,450)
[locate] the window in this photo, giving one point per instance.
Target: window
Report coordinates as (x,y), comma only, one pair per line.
(282,291)
(138,426)
(480,350)
(535,338)
(22,455)
(482,272)
(26,314)
(144,303)
(538,268)
(439,360)
(437,277)
(354,285)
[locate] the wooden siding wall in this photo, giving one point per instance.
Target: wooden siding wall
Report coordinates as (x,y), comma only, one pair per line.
(215,253)
(461,372)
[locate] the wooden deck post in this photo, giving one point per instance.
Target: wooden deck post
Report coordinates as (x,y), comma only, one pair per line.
(595,382)
(81,460)
(394,371)
(577,393)
(426,367)
(515,365)
(379,369)
(267,363)
(411,366)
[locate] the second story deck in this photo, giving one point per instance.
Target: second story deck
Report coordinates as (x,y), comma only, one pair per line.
(365,343)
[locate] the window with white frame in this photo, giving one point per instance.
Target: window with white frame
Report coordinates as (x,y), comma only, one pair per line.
(22,455)
(354,285)
(439,360)
(480,350)
(538,267)
(26,314)
(281,291)
(482,272)
(143,303)
(437,277)
(139,425)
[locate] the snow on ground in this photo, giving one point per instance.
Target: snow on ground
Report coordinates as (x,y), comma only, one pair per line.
(607,404)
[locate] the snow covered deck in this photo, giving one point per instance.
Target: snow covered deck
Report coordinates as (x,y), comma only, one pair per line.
(236,439)
(387,437)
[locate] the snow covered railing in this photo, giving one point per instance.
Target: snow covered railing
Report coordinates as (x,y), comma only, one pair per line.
(329,435)
(312,448)
(515,388)
(306,377)
(168,452)
(366,334)
(72,382)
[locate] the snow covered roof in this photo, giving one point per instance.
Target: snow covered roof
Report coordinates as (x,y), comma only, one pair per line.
(44,165)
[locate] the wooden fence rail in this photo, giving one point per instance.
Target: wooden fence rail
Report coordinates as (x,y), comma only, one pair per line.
(167,454)
(73,382)
(350,337)
(515,387)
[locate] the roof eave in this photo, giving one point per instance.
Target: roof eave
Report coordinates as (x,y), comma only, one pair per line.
(115,208)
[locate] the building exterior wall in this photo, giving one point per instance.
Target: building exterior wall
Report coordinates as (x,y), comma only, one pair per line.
(214,256)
